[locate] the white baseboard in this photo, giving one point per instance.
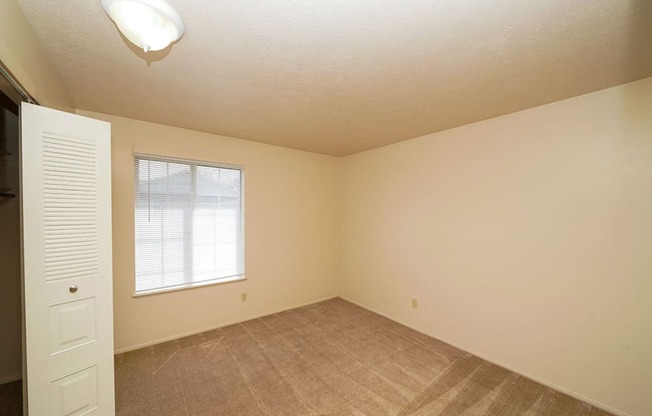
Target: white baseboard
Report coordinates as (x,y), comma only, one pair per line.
(210,328)
(11,378)
(498,363)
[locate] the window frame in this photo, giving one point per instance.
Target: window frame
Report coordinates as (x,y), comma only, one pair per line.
(190,285)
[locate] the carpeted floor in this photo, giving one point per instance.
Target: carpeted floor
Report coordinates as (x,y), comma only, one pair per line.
(331,358)
(11,398)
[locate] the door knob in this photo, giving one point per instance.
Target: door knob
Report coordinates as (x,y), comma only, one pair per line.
(73,288)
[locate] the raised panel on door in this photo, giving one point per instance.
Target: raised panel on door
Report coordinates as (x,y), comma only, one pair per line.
(75,394)
(66,185)
(72,325)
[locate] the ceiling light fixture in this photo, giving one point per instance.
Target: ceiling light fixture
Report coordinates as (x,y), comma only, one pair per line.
(152,25)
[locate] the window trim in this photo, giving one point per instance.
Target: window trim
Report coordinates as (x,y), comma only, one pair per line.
(192,285)
(186,286)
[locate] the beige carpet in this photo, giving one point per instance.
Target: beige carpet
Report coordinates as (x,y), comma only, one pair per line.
(331,358)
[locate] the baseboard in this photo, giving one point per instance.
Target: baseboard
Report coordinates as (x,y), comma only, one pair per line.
(10,379)
(498,363)
(210,328)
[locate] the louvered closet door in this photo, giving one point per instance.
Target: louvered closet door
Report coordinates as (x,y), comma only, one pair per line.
(66,207)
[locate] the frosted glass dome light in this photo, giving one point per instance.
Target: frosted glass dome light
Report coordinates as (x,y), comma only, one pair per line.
(151,25)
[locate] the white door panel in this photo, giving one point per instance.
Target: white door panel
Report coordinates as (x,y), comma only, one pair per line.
(75,394)
(66,208)
(72,325)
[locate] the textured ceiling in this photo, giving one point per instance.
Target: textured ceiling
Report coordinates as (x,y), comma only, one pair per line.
(341,76)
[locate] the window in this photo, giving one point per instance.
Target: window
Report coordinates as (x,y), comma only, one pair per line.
(189,224)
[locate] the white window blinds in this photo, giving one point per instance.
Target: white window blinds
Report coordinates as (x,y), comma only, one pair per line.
(189,223)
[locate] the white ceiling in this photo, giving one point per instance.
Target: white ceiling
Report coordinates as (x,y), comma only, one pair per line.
(342,76)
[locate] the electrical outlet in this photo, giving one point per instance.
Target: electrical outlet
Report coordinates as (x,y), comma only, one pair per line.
(243,297)
(415,303)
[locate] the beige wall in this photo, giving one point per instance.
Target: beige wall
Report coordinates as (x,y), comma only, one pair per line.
(21,53)
(526,239)
(291,232)
(10,277)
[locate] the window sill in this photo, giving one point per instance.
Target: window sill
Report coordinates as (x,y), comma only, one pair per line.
(190,286)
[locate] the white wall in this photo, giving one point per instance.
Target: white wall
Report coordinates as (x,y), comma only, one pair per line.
(291,232)
(527,239)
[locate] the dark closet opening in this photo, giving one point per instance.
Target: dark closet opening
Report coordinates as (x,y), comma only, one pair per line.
(11,361)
